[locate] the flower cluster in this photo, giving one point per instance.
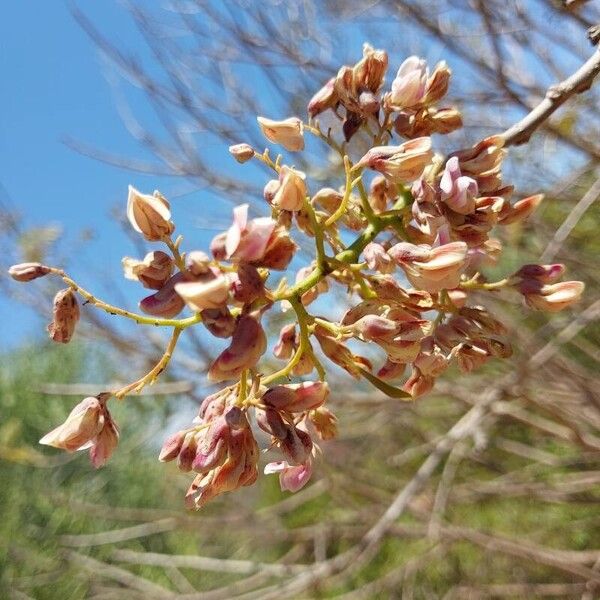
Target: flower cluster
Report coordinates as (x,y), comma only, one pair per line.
(423,224)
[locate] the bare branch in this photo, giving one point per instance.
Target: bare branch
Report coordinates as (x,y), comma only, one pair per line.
(556,96)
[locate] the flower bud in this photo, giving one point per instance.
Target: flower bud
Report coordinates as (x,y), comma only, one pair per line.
(242,152)
(247,284)
(458,192)
(187,452)
(430,360)
(378,259)
(325,98)
(543,273)
(197,263)
(248,344)
(296,397)
(65,316)
(172,446)
(152,272)
(470,356)
(328,199)
(166,303)
(291,192)
(28,271)
(368,73)
(483,159)
(443,120)
(313,293)
(291,478)
(271,422)
(381,193)
(288,133)
(149,215)
(338,353)
(279,251)
(219,321)
(211,292)
(401,164)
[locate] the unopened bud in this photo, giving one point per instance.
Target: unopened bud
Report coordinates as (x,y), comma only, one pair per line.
(65,316)
(291,192)
(297,397)
(28,271)
(241,152)
(325,98)
(197,263)
(149,215)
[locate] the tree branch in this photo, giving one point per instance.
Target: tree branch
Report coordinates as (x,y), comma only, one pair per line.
(556,96)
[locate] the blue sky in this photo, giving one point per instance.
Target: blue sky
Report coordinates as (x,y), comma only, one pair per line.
(55,87)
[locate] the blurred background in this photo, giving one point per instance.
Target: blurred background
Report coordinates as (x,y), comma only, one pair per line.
(448,497)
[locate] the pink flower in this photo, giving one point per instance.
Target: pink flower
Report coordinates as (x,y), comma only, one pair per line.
(152,272)
(248,344)
(260,242)
(434,269)
(89,425)
(378,259)
(458,191)
(247,240)
(296,397)
(554,297)
(166,303)
(285,345)
(408,87)
(291,478)
(401,164)
(210,290)
(520,210)
(288,133)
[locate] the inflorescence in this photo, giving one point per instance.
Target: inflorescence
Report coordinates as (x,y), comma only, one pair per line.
(412,211)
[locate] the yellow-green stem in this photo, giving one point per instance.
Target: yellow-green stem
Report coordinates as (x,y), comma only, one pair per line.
(150,377)
(115,310)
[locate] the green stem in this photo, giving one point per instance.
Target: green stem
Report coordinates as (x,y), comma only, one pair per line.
(115,310)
